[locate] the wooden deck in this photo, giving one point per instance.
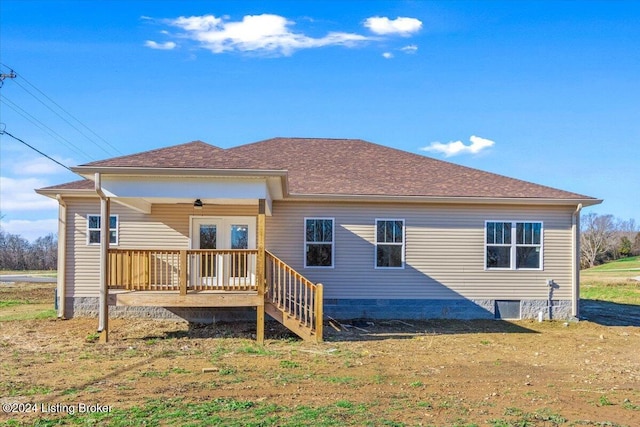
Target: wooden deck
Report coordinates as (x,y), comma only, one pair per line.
(216,278)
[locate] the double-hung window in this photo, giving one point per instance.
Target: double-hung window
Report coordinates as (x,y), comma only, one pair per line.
(318,242)
(513,245)
(93,229)
(389,243)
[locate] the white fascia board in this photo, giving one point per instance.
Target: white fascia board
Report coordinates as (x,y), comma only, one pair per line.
(52,193)
(442,200)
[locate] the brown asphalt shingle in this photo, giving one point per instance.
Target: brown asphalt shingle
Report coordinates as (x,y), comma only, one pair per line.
(345,167)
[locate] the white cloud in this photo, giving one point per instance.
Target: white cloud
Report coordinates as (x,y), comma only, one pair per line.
(19,195)
(387,55)
(160,46)
(412,48)
(40,166)
(30,230)
(454,148)
(255,33)
(402,26)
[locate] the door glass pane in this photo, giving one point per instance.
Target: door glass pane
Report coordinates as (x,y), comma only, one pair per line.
(208,236)
(240,237)
(208,240)
(239,240)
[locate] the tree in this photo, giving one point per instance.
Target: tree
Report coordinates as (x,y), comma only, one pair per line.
(635,249)
(43,254)
(625,247)
(596,237)
(16,253)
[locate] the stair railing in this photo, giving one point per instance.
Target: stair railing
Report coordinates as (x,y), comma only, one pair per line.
(293,294)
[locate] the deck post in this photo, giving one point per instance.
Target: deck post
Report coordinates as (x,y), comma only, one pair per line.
(319,315)
(105,237)
(183,272)
(260,270)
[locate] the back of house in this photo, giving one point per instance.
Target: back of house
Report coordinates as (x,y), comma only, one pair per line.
(388,234)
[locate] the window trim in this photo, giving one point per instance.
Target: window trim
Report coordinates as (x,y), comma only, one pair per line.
(333,242)
(514,245)
(98,229)
(375,246)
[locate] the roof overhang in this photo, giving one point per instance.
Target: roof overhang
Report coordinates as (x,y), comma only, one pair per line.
(138,188)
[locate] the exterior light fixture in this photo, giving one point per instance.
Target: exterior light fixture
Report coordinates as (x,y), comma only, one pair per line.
(198,204)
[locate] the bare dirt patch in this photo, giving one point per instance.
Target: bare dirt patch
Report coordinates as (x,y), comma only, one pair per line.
(418,373)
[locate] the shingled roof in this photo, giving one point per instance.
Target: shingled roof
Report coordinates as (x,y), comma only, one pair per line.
(318,166)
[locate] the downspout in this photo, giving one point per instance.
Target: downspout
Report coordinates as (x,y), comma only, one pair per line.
(103,309)
(62,257)
(575,262)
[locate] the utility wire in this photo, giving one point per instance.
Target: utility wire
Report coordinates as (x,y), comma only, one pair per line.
(72,116)
(63,110)
(4,132)
(62,118)
(15,107)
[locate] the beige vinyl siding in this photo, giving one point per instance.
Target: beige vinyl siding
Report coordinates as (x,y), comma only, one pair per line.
(166,227)
(444,250)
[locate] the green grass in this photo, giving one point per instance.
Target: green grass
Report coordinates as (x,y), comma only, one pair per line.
(11,303)
(621,293)
(30,315)
(240,413)
(613,282)
(222,411)
(620,264)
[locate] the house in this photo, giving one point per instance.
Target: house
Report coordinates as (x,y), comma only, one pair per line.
(299,228)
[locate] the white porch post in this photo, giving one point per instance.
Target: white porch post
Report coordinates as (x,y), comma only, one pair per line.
(105,237)
(575,258)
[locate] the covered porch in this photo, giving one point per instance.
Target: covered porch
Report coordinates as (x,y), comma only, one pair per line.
(224,264)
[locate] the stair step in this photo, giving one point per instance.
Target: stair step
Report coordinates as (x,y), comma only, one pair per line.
(290,322)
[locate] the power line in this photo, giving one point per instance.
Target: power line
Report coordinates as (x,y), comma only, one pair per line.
(4,132)
(15,107)
(73,117)
(64,111)
(61,117)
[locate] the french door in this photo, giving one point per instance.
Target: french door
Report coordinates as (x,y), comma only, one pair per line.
(224,267)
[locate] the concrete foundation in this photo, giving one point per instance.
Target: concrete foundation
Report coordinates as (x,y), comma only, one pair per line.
(339,309)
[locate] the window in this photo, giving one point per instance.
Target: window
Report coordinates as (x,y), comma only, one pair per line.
(513,245)
(318,242)
(93,229)
(389,243)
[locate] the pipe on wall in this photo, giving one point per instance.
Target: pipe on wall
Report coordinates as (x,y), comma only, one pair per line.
(62,257)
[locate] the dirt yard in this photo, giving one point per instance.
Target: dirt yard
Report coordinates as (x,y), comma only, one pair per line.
(439,373)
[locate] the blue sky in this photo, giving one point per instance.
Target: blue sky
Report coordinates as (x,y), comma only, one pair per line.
(547,92)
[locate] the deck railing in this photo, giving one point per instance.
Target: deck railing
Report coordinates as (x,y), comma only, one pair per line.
(183,270)
(293,294)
